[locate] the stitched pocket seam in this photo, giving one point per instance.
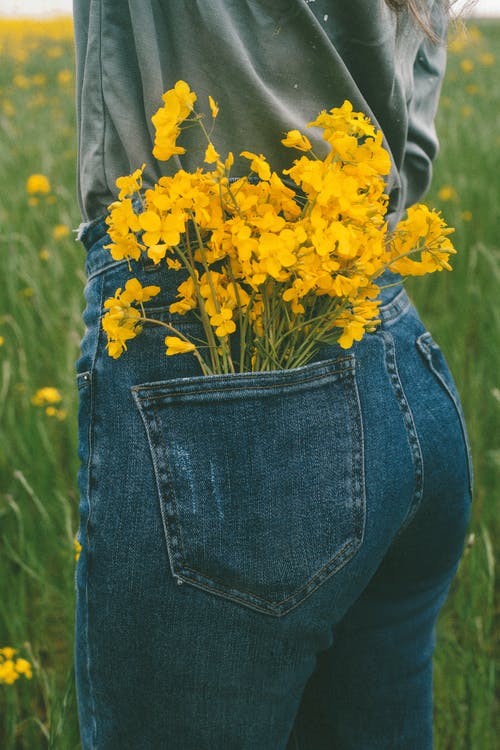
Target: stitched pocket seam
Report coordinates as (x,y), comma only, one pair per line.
(182,569)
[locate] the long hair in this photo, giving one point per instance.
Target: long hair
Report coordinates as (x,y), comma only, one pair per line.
(419,10)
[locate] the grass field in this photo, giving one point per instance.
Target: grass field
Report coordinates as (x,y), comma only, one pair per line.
(41,300)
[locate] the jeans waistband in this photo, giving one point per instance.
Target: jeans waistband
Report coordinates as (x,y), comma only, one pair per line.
(392,293)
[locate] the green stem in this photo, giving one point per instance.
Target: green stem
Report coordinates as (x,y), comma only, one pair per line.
(205,369)
(189,265)
(421,249)
(226,351)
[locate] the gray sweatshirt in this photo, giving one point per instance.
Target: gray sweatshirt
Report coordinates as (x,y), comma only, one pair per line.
(271,65)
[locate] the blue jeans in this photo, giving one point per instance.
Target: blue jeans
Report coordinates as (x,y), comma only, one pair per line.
(264,555)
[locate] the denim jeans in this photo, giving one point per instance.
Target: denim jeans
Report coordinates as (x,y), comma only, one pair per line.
(264,555)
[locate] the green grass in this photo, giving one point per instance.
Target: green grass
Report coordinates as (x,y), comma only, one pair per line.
(463,310)
(41,302)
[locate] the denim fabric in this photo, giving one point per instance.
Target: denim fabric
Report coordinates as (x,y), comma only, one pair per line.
(264,555)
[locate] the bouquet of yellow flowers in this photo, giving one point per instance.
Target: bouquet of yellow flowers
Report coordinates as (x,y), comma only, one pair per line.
(284,271)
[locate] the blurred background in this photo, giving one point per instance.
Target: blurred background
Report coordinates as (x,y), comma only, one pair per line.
(41,7)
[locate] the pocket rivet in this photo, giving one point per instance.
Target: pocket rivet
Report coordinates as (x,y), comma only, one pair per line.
(179,582)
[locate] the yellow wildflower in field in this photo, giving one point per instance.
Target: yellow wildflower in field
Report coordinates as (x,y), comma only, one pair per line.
(60,231)
(22,36)
(466,215)
(37,184)
(78,548)
(65,77)
(487,58)
(12,668)
(21,81)
(447,193)
(46,395)
(59,414)
(2,341)
(39,79)
(8,108)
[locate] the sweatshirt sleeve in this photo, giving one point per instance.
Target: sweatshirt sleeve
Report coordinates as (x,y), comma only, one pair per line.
(422,142)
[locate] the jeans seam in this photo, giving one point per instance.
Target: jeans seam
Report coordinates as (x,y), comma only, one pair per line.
(424,344)
(87,526)
(344,368)
(411,431)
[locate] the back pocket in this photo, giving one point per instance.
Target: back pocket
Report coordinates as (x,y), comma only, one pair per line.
(260,478)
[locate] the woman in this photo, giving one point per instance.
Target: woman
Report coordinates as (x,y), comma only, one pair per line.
(270,583)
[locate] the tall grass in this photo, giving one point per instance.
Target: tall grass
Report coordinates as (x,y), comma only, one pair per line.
(464,312)
(41,284)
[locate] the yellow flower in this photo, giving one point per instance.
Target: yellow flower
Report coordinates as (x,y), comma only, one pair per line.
(487,58)
(466,215)
(258,164)
(10,669)
(213,107)
(78,548)
(281,260)
(424,233)
(161,228)
(130,184)
(177,104)
(8,108)
(447,193)
(467,65)
(21,82)
(46,395)
(44,254)
(60,231)
(353,331)
(172,263)
(211,155)
(23,667)
(175,345)
(59,414)
(122,321)
(64,77)
(223,322)
(135,292)
(39,79)
(295,139)
(37,184)
(123,223)
(8,674)
(2,341)
(472,89)
(188,301)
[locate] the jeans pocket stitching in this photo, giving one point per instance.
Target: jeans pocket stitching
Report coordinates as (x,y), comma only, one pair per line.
(410,427)
(147,398)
